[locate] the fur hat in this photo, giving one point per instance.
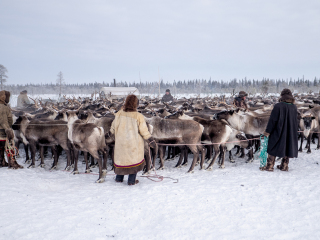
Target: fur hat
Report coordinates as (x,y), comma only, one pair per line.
(168,90)
(131,103)
(242,94)
(286,96)
(24,92)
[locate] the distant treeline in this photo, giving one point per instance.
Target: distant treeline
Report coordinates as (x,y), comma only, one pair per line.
(196,86)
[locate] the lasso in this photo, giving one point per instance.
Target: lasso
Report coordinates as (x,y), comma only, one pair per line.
(263,150)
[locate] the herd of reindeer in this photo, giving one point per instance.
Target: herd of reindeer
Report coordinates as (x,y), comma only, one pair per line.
(207,128)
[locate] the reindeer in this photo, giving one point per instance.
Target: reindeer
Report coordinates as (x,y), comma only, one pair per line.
(185,133)
(87,137)
(44,133)
(250,125)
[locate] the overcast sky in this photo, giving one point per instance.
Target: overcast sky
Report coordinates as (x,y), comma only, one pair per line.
(99,40)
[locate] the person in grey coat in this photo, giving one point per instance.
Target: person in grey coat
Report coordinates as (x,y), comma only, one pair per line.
(167,97)
(23,100)
(282,130)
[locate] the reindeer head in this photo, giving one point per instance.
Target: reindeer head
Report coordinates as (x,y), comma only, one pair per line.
(224,114)
(62,116)
(308,120)
(175,115)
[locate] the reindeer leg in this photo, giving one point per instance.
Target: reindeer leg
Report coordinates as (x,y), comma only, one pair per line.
(176,152)
(168,153)
(216,154)
(313,139)
(308,143)
(202,150)
(231,157)
(26,149)
(161,153)
(238,151)
(318,146)
(209,152)
(250,158)
(105,154)
(180,158)
(92,165)
(55,157)
(257,145)
(306,147)
(88,170)
(194,150)
(85,158)
(153,157)
(222,154)
(102,174)
(42,157)
(75,168)
(242,153)
(147,158)
(69,155)
(33,149)
(185,161)
(301,141)
(112,157)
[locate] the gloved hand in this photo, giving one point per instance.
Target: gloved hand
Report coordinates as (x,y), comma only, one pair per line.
(266,134)
(10,134)
(152,142)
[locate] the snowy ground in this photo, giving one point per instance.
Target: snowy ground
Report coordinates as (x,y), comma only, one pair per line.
(238,202)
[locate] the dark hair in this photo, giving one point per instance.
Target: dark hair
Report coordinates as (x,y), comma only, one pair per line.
(286,96)
(131,103)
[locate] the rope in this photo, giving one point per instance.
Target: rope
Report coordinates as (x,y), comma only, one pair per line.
(204,144)
(10,148)
(263,151)
(156,176)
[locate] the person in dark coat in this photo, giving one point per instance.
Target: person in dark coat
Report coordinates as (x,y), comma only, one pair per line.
(167,97)
(240,100)
(282,130)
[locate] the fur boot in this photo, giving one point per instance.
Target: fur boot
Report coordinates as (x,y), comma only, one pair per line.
(270,164)
(284,164)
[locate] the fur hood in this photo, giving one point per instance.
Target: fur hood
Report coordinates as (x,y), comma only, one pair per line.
(131,103)
(242,94)
(286,96)
(3,97)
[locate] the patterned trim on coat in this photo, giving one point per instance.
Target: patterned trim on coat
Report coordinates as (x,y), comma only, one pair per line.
(129,166)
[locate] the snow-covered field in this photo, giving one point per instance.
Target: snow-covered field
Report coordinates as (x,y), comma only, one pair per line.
(238,202)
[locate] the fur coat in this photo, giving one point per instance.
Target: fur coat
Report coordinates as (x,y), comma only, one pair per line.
(5,114)
(130,130)
(23,100)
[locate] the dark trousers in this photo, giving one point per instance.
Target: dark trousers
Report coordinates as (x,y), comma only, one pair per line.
(2,150)
(131,178)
